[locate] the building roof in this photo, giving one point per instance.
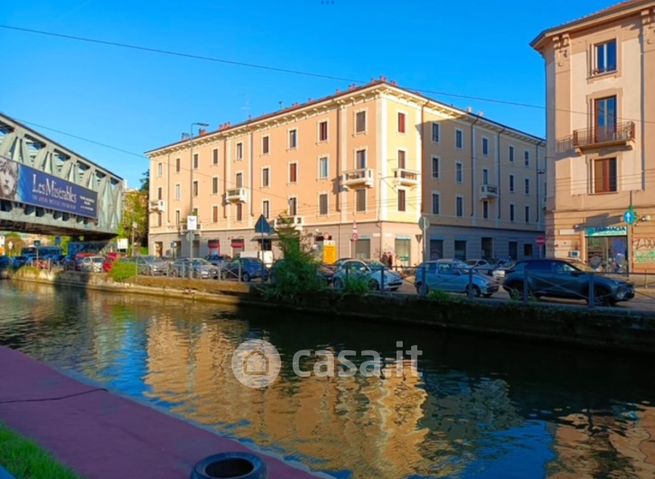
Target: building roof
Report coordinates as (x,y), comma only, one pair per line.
(618,10)
(353,90)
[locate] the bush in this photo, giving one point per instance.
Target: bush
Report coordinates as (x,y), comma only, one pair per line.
(354,284)
(121,272)
(441,297)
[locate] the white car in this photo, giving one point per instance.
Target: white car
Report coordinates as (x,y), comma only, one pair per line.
(375,273)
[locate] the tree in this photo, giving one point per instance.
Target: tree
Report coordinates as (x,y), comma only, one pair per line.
(16,243)
(145,182)
(135,217)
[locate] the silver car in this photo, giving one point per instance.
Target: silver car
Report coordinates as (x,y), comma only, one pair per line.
(379,277)
(450,276)
(195,268)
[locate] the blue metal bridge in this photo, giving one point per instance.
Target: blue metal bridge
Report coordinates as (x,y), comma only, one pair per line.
(45,188)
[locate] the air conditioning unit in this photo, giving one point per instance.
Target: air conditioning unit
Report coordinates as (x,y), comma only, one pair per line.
(574,254)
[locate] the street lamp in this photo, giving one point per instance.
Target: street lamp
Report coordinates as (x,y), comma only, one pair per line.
(192,167)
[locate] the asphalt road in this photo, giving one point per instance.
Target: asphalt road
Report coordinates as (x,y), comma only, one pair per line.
(644,299)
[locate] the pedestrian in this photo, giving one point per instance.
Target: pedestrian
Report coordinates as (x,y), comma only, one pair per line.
(390,260)
(385,259)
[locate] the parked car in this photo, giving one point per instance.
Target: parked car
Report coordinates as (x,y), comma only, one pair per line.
(501,268)
(110,259)
(379,276)
(249,268)
(151,265)
(19,261)
(91,264)
(482,265)
(557,278)
(199,268)
(451,276)
(5,265)
(218,259)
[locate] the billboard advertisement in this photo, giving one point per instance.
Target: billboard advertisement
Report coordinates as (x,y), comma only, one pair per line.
(23,184)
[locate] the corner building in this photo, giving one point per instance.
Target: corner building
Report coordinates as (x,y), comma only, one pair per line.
(361,168)
(600,93)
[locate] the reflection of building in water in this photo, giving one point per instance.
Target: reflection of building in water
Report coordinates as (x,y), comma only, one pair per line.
(366,423)
(605,444)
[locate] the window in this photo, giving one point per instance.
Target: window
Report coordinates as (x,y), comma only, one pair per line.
(293,206)
(177,217)
(215,156)
(178,194)
(361,199)
(401,159)
(604,118)
(360,159)
(527,250)
(323,204)
(239,208)
(485,146)
(293,139)
(323,131)
(360,122)
(526,158)
(266,209)
(460,250)
(401,122)
(160,169)
(485,209)
(436,132)
(435,167)
(159,218)
(459,206)
(605,57)
(266,177)
(195,188)
(511,153)
(513,247)
(195,161)
(265,145)
(485,176)
(177,165)
(401,200)
(239,151)
(214,214)
(527,214)
(511,183)
(459,139)
(436,249)
(511,213)
(436,203)
(239,180)
(605,175)
(527,186)
(323,170)
(215,185)
(459,172)
(159,193)
(293,172)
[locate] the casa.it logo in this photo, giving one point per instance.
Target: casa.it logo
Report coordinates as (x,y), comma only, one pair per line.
(256,363)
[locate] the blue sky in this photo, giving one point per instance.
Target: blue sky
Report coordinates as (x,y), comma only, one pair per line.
(137,101)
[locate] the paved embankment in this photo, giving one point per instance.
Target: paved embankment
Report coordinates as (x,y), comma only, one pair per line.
(104,436)
(604,328)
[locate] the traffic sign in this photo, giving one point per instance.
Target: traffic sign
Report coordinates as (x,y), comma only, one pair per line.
(262,226)
(424,223)
(630,216)
(191,223)
(355,236)
(541,240)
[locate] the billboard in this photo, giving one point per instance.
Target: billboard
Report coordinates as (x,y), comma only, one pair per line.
(23,184)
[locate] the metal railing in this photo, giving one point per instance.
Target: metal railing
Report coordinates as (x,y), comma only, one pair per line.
(620,133)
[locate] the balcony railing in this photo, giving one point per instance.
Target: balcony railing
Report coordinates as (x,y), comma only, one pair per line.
(358,177)
(406,177)
(596,137)
(293,222)
(488,192)
(236,195)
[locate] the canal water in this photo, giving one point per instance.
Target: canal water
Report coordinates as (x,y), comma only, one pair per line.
(482,408)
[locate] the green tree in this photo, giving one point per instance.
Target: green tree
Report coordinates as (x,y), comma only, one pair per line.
(145,182)
(16,243)
(135,217)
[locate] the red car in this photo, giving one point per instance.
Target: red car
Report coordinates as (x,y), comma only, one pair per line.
(109,261)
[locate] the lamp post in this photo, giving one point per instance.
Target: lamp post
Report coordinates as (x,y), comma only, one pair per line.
(192,167)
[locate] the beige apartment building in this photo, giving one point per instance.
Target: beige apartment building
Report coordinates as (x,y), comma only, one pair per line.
(360,168)
(600,84)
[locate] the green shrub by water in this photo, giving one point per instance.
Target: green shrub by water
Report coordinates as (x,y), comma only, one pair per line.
(121,272)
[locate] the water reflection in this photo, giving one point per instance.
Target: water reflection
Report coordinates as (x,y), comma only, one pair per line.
(483,408)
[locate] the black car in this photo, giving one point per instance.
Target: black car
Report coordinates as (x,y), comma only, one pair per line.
(218,259)
(247,268)
(556,278)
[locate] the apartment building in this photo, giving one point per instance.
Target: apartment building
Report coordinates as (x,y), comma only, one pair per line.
(362,168)
(600,85)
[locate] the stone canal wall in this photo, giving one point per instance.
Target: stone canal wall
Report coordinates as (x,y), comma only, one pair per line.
(604,328)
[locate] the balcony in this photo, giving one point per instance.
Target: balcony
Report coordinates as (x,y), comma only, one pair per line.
(236,195)
(292,222)
(405,177)
(359,177)
(592,138)
(488,192)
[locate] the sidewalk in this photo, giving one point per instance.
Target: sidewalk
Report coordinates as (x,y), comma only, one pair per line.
(104,436)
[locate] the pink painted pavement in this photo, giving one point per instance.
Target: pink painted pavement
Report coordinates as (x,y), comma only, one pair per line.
(104,436)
